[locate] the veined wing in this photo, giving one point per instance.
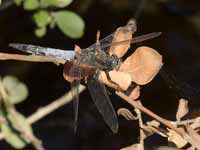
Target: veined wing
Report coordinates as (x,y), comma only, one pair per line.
(107,41)
(130,27)
(103,104)
(44,51)
(75,94)
(75,71)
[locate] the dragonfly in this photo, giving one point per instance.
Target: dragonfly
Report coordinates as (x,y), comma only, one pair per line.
(97,58)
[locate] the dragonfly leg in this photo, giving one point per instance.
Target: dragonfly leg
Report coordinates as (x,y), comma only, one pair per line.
(131,88)
(118,88)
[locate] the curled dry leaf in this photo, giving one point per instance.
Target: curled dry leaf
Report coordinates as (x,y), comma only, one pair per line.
(153,123)
(122,34)
(191,148)
(182,109)
(175,138)
(126,114)
(195,137)
(122,79)
(196,123)
(142,65)
(134,147)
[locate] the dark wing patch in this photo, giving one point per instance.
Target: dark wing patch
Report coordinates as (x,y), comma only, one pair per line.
(103,103)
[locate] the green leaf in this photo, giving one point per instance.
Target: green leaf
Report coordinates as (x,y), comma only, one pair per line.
(42,18)
(18,2)
(31,4)
(17,91)
(40,32)
(70,23)
(55,3)
(12,137)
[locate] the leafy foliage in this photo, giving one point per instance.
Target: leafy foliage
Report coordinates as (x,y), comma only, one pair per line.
(15,126)
(75,28)
(17,91)
(70,23)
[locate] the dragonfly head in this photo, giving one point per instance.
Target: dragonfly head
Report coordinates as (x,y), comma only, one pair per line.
(115,62)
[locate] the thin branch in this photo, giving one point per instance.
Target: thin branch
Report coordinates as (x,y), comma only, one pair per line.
(149,112)
(156,117)
(31,58)
(141,125)
(44,111)
(24,132)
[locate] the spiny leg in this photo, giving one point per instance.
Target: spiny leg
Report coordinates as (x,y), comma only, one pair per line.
(118,88)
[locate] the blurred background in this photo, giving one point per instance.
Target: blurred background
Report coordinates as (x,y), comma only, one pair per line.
(179,22)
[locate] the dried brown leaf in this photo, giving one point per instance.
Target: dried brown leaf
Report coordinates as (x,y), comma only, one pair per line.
(142,65)
(182,109)
(121,79)
(195,137)
(121,34)
(134,147)
(126,114)
(191,148)
(175,138)
(153,123)
(196,123)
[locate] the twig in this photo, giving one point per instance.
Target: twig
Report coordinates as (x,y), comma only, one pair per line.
(149,112)
(141,125)
(31,58)
(44,111)
(156,117)
(25,133)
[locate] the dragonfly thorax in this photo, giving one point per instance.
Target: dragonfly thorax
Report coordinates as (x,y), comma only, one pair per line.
(99,59)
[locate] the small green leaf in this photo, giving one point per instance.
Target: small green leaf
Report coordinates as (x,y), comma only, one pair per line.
(17,91)
(70,23)
(12,137)
(18,2)
(55,3)
(31,4)
(42,18)
(40,32)
(63,3)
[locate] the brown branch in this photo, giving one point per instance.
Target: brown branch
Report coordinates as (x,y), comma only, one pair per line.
(44,111)
(31,58)
(141,125)
(156,117)
(24,132)
(149,112)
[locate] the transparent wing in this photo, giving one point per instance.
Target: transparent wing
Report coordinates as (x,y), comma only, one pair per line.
(131,27)
(107,41)
(44,51)
(75,71)
(103,104)
(75,94)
